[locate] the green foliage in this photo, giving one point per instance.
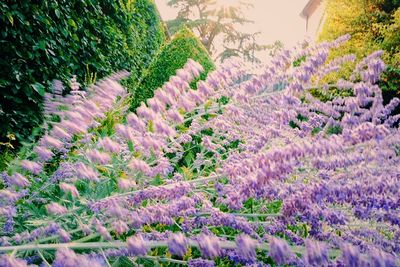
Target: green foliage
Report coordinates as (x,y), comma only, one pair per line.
(330,94)
(49,39)
(373,25)
(173,56)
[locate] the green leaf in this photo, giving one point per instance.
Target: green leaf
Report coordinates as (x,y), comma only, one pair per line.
(38,88)
(72,23)
(11,19)
(57,13)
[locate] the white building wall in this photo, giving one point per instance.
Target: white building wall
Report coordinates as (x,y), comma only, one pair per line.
(314,15)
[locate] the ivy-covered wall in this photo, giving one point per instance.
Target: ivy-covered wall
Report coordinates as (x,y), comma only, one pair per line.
(172,56)
(42,40)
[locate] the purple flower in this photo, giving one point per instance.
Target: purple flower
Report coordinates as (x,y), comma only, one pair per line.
(246,247)
(155,105)
(126,184)
(86,172)
(55,208)
(31,166)
(139,165)
(136,123)
(316,253)
(175,116)
(44,153)
(68,258)
(381,259)
(51,142)
(96,156)
(19,180)
(280,251)
(187,104)
(60,133)
(69,188)
(137,245)
(178,244)
(120,227)
(351,256)
(200,263)
(209,246)
(65,237)
(146,113)
(10,261)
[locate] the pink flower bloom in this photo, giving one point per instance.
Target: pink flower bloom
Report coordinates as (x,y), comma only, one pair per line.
(96,156)
(171,90)
(110,145)
(163,128)
(74,127)
(86,172)
(175,116)
(136,123)
(56,209)
(184,74)
(19,180)
(43,153)
(51,142)
(31,166)
(186,104)
(125,132)
(195,96)
(163,97)
(126,184)
(139,165)
(145,112)
(60,133)
(156,105)
(120,227)
(69,188)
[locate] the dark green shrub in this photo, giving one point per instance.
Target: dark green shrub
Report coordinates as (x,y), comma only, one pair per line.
(172,56)
(46,39)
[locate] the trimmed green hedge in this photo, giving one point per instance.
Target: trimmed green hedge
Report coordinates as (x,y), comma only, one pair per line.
(53,39)
(173,56)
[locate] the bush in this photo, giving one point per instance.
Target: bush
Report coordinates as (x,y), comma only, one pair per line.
(48,39)
(173,56)
(197,180)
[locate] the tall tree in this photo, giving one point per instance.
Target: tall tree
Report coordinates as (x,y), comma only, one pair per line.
(217,21)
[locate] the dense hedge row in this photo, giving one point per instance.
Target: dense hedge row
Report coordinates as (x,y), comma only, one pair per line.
(173,56)
(373,25)
(46,39)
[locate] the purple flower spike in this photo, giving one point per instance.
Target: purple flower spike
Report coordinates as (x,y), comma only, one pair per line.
(352,256)
(51,142)
(86,172)
(98,157)
(246,246)
(209,246)
(137,246)
(68,258)
(31,166)
(201,263)
(178,244)
(381,259)
(10,261)
(69,188)
(19,180)
(44,153)
(280,251)
(55,208)
(316,253)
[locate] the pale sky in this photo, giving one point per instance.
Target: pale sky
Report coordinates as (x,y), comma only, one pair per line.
(275,19)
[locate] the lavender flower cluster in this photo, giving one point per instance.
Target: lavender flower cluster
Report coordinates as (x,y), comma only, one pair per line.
(242,170)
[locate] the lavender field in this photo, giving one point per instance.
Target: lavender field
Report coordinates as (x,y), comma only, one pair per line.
(243,170)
